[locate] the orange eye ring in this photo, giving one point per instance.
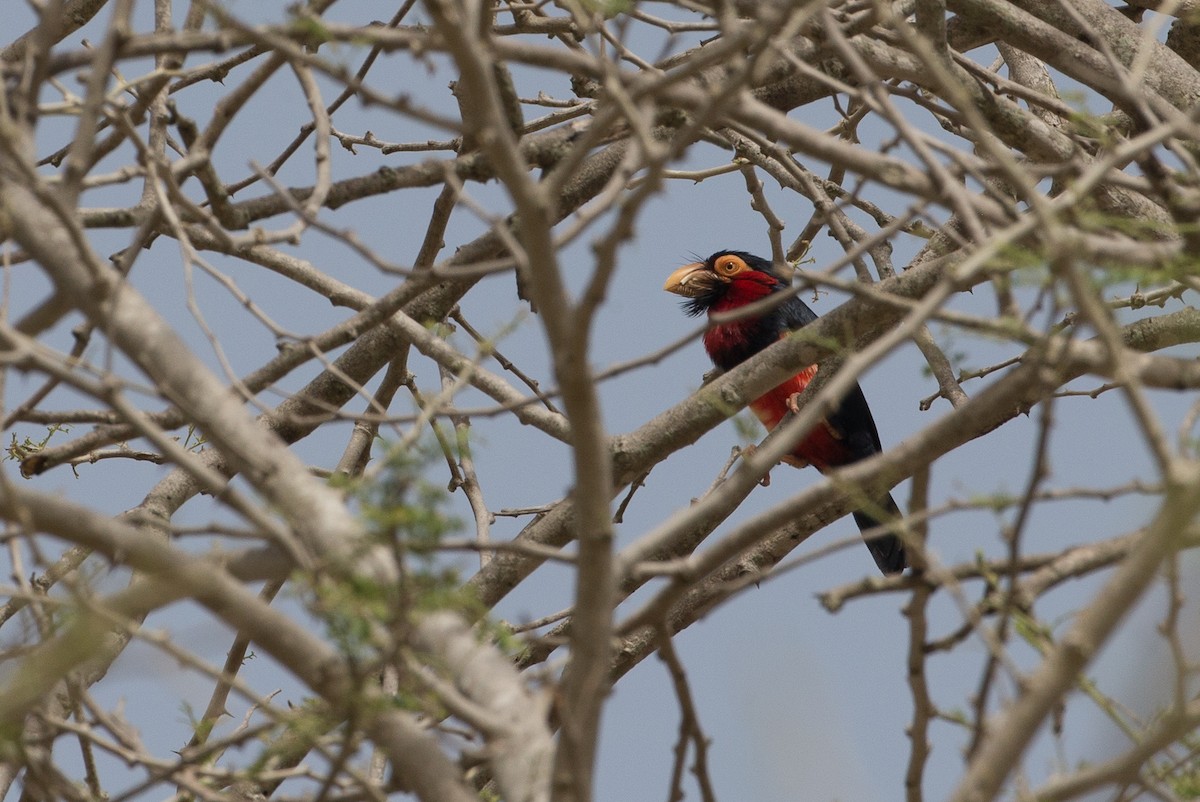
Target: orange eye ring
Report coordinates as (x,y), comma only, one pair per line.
(730,265)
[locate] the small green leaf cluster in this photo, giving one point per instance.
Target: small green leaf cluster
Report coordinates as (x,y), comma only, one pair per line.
(1185,781)
(608,8)
(749,430)
(408,515)
(20,449)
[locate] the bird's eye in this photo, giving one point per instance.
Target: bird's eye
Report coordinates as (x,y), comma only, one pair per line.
(730,265)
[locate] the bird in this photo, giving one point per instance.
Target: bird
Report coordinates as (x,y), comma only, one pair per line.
(730,280)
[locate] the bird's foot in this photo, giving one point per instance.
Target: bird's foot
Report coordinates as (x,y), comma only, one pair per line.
(794,409)
(746,452)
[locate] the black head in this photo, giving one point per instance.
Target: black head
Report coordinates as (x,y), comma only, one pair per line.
(705,283)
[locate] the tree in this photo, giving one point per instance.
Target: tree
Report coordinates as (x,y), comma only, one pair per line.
(271,252)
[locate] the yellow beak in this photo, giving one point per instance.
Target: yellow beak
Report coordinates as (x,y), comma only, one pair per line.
(691,280)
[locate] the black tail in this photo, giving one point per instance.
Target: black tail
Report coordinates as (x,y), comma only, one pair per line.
(886,548)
